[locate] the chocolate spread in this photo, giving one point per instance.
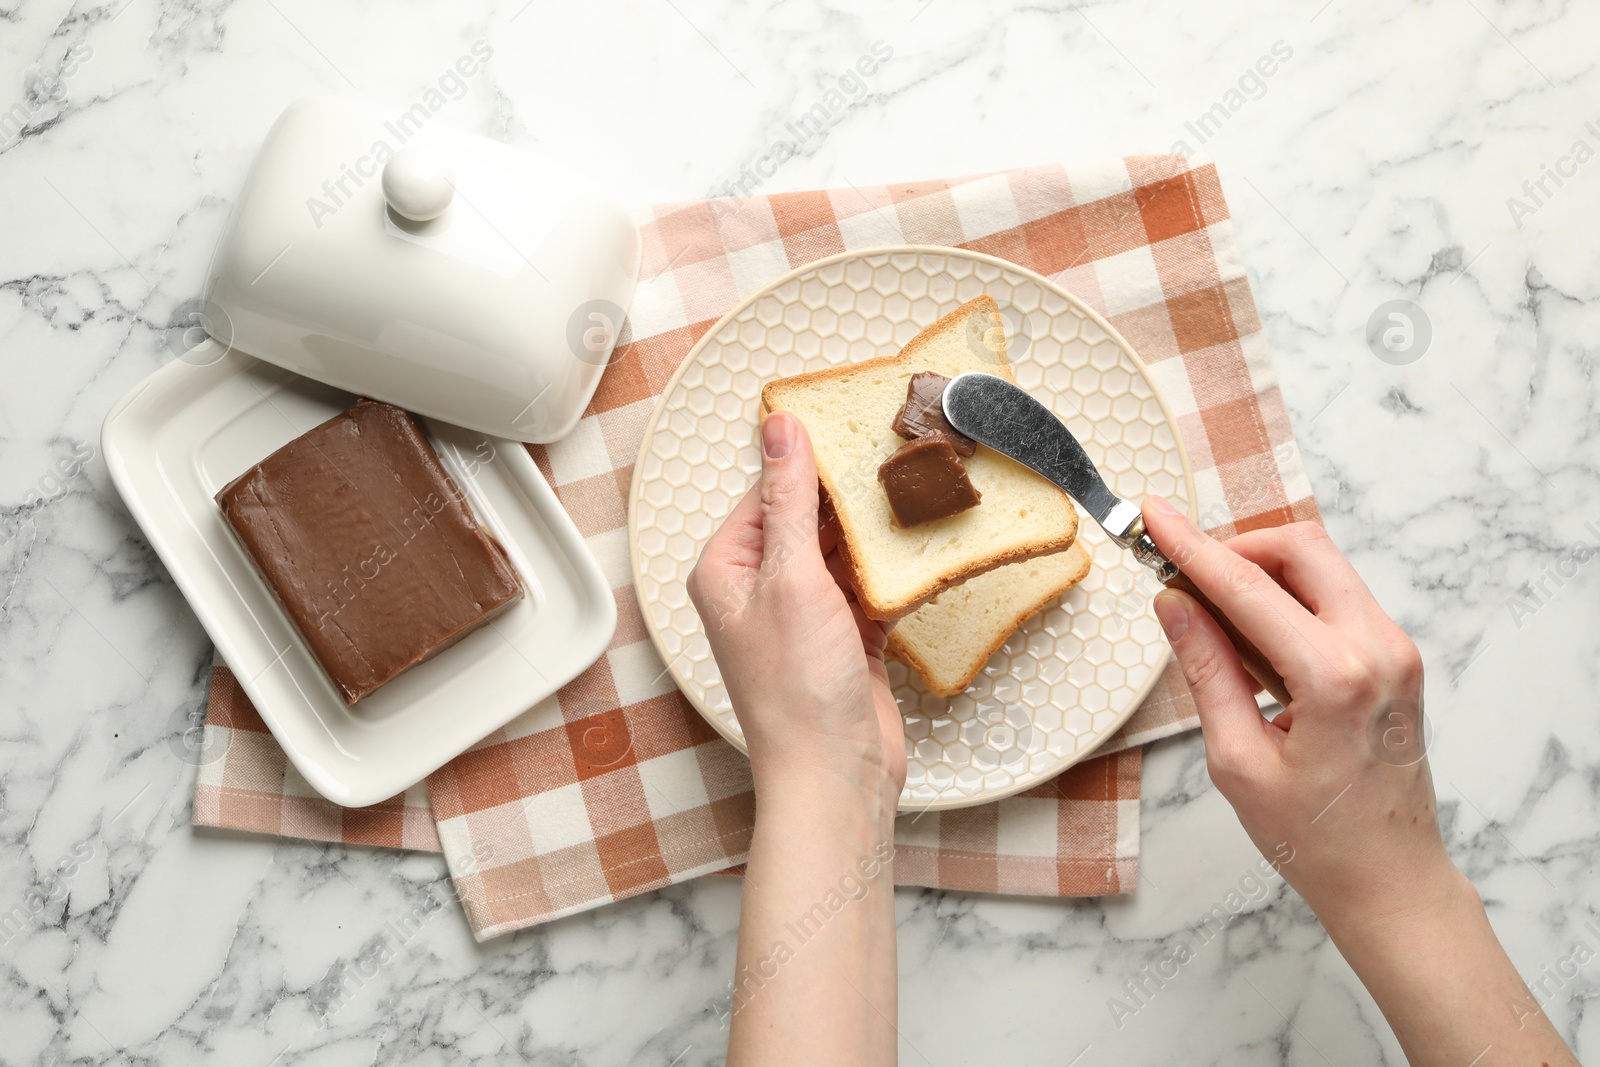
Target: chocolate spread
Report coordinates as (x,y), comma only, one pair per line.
(924,413)
(368,545)
(925,480)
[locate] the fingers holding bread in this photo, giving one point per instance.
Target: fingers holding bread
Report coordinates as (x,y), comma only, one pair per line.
(774,525)
(788,489)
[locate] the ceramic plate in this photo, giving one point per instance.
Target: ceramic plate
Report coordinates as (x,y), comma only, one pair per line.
(190,428)
(1071,675)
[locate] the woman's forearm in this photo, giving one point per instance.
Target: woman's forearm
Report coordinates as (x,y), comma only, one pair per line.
(1447,988)
(816,976)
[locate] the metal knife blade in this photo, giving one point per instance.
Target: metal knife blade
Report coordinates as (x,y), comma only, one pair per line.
(991,410)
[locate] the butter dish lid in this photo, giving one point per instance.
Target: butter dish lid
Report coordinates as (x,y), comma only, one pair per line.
(389,255)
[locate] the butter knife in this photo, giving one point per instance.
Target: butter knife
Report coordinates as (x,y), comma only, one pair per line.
(992,411)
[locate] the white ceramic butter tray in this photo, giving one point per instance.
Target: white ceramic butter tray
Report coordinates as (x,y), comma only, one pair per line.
(189,429)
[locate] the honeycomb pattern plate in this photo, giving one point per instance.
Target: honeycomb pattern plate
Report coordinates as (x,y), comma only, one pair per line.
(1071,675)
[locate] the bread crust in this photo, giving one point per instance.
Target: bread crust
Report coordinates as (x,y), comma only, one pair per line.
(902,652)
(984,303)
(889,611)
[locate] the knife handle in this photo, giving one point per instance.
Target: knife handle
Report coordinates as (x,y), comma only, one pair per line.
(1258,665)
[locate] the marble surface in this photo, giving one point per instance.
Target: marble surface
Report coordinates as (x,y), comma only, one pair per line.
(1393,154)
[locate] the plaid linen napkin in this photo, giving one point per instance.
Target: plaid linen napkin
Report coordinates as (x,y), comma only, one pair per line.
(615,785)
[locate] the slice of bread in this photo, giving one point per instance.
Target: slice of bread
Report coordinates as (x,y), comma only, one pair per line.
(949,639)
(849,412)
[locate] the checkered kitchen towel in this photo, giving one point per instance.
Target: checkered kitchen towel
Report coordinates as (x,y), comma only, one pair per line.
(615,785)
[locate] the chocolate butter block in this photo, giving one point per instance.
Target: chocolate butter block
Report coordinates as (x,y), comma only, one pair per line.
(923,415)
(924,480)
(368,545)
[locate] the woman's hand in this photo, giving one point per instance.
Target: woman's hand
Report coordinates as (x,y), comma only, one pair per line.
(1339,777)
(802,663)
(1336,789)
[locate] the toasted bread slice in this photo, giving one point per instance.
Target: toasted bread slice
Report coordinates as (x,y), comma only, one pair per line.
(849,412)
(949,639)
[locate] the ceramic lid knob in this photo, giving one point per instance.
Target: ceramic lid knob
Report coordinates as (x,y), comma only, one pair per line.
(418,184)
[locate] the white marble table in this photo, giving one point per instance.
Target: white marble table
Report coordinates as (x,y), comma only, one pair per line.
(1377,163)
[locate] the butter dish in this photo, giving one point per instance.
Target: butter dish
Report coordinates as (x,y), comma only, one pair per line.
(378,254)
